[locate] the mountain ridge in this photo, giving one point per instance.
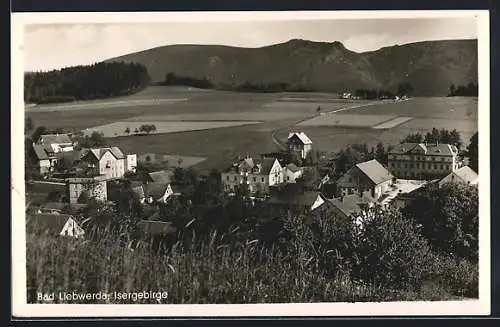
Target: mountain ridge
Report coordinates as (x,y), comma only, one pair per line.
(430,66)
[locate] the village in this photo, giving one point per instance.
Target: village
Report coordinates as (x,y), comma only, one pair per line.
(71,177)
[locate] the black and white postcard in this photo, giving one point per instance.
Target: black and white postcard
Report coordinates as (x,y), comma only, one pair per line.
(250,164)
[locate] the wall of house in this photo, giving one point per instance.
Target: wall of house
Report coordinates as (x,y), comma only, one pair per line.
(276,175)
(381,188)
(111,167)
(306,150)
(63,147)
(44,166)
(290,176)
(95,189)
(419,166)
(72,229)
(131,162)
(319,201)
(230,180)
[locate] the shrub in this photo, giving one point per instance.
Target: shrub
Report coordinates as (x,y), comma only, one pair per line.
(390,251)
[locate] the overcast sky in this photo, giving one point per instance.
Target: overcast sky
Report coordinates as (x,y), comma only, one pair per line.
(60,45)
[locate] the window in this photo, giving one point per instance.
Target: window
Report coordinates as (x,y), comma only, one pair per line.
(435,166)
(406,166)
(442,159)
(441,167)
(262,179)
(235,178)
(429,166)
(399,165)
(288,178)
(255,179)
(227,178)
(448,167)
(418,165)
(411,165)
(433,159)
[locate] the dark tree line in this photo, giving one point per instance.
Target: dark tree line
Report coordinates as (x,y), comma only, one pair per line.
(271,87)
(202,83)
(436,136)
(373,94)
(99,80)
(471,90)
(402,89)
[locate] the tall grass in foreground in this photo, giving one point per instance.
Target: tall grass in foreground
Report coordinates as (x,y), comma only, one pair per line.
(248,273)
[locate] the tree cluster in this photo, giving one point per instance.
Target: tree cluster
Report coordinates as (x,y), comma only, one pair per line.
(95,81)
(473,153)
(436,136)
(147,128)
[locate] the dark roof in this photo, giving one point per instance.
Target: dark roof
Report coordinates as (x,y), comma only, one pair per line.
(375,171)
(99,152)
(45,221)
(162,176)
(298,198)
(156,190)
(350,204)
(300,136)
(266,166)
(428,149)
(55,139)
(292,167)
(152,227)
(40,152)
(70,158)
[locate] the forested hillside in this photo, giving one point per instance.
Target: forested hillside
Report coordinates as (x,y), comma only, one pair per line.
(100,80)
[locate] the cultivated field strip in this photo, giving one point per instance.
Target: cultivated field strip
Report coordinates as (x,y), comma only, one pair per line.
(222,116)
(106,104)
(393,123)
(424,124)
(347,120)
(119,128)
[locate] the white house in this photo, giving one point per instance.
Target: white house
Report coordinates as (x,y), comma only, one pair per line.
(366,176)
(57,142)
(61,224)
(95,187)
(156,192)
(110,162)
(258,174)
(291,172)
(300,143)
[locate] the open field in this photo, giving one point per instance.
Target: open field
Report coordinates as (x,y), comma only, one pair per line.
(170,160)
(219,146)
(346,120)
(219,116)
(448,108)
(182,125)
(118,128)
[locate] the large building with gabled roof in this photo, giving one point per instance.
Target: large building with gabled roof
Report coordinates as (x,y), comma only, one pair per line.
(423,161)
(257,173)
(299,143)
(110,162)
(369,176)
